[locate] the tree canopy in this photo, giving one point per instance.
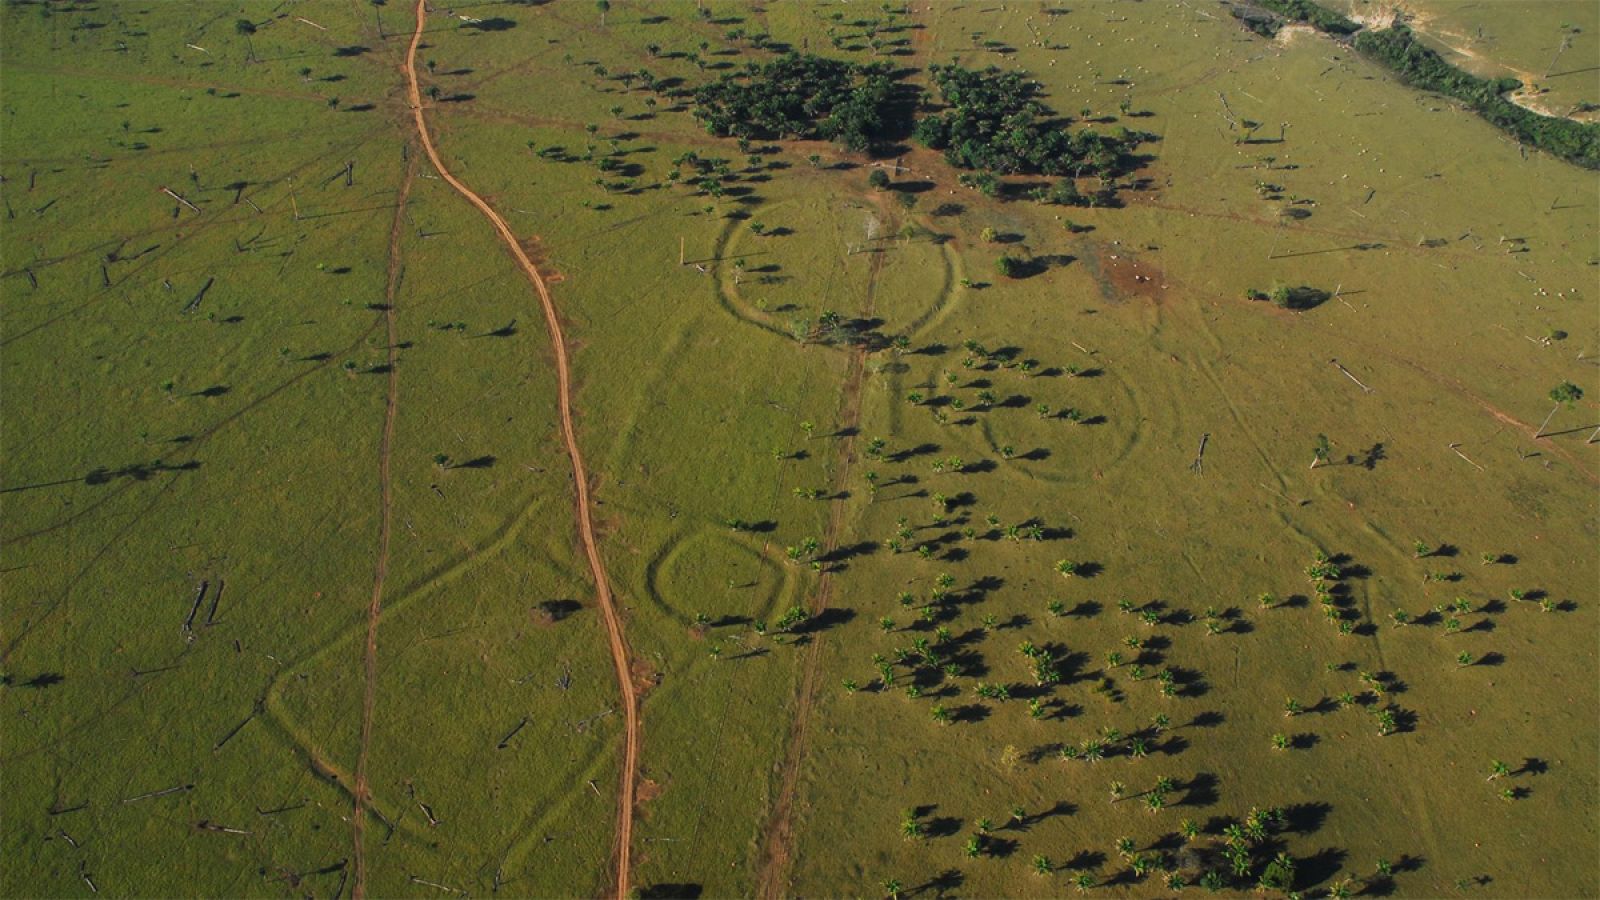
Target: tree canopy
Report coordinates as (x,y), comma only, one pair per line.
(802,96)
(994,122)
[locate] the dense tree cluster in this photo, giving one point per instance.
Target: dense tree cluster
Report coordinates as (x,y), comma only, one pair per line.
(1398,49)
(1324,20)
(995,123)
(802,96)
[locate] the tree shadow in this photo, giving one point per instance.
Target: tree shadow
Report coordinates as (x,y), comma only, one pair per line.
(552,611)
(1319,867)
(970,713)
(671,891)
(1306,818)
(1201,791)
(831,617)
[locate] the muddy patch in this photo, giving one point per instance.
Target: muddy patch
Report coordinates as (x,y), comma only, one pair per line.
(1123,274)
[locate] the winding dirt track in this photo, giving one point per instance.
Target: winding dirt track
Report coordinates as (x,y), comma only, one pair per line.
(613,622)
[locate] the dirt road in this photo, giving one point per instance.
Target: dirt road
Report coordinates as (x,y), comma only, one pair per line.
(608,610)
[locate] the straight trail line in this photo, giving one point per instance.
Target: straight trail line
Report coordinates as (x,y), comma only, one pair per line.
(580,479)
(360,792)
(777,850)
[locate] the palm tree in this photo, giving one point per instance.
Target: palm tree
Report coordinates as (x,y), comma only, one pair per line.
(891,886)
(1067,568)
(1498,769)
(1386,722)
(1125,847)
(1280,741)
(604,6)
(974,847)
(1084,882)
(1190,829)
(910,828)
(1042,865)
(245,29)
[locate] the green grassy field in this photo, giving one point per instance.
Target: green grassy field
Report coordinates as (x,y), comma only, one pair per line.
(199,398)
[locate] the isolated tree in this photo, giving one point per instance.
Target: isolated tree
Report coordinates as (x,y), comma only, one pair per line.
(878,179)
(1008,266)
(1320,449)
(377,11)
(245,29)
(604,6)
(1564,394)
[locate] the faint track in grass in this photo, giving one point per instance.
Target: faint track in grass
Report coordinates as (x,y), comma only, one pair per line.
(361,792)
(586,534)
(776,852)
